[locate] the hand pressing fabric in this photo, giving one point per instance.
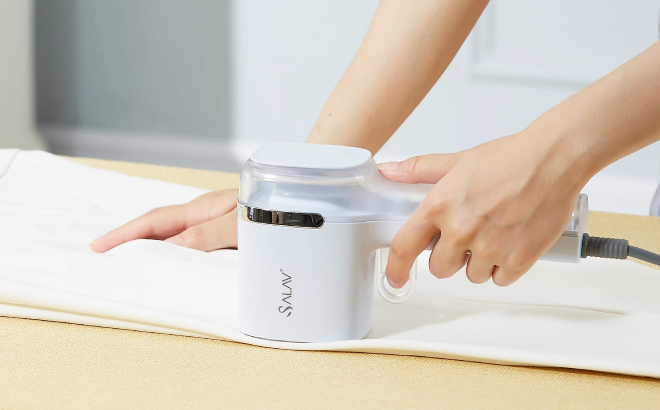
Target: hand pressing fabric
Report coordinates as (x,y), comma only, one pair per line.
(497,219)
(205,223)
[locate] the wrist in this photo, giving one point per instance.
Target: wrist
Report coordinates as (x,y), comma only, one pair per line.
(564,152)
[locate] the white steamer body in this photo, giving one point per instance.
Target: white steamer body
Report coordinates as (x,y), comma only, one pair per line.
(308,285)
(294,295)
(311,219)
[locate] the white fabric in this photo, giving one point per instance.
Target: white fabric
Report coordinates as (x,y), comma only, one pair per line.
(598,315)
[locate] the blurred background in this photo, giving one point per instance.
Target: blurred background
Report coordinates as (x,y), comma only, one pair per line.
(201,83)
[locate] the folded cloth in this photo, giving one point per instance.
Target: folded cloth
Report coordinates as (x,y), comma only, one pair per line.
(598,315)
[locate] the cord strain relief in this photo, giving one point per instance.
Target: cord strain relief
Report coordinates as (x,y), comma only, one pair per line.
(609,248)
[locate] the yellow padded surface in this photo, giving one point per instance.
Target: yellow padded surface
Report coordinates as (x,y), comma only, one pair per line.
(64,366)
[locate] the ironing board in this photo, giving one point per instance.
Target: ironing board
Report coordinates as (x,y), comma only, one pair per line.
(54,365)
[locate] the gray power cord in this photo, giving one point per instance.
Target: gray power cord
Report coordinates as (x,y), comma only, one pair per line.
(611,248)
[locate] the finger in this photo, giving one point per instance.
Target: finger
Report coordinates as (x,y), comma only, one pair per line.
(506,275)
(161,223)
(156,224)
(479,269)
(218,233)
(447,258)
(413,237)
(426,169)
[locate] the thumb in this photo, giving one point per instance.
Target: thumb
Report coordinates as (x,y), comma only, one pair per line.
(425,169)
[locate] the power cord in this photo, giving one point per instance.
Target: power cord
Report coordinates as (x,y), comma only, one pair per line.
(612,248)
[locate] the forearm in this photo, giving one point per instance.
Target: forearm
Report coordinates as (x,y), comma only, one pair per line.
(407,47)
(613,117)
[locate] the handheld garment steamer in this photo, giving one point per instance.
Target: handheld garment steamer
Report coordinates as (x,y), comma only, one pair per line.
(312,220)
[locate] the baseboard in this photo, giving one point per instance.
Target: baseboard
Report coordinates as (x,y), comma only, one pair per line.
(606,192)
(152,148)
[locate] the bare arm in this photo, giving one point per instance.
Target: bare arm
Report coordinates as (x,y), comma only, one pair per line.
(615,116)
(407,48)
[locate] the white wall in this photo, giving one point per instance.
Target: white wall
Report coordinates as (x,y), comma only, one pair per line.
(152,66)
(17,125)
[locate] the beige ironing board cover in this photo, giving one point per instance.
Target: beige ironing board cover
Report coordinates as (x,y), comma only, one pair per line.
(597,315)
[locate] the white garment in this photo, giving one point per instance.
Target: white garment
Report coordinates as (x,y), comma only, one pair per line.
(597,315)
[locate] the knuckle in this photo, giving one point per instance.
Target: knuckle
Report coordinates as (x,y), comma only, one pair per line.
(160,212)
(209,196)
(398,251)
(436,207)
(516,266)
(155,211)
(406,166)
(504,279)
(193,236)
(441,271)
(412,166)
(461,231)
(444,264)
(485,250)
(477,277)
(444,274)
(418,164)
(518,262)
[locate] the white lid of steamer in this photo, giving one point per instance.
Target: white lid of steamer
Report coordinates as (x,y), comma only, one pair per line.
(311,156)
(340,183)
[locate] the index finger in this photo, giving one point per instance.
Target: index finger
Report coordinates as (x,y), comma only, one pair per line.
(159,223)
(163,223)
(413,237)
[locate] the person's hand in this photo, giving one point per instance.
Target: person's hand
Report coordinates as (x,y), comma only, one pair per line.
(205,223)
(497,207)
